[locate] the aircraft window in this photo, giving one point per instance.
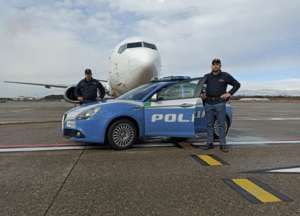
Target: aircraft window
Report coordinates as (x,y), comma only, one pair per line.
(122,48)
(134,45)
(151,46)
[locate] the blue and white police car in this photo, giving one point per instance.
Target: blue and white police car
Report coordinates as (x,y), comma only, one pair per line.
(170,106)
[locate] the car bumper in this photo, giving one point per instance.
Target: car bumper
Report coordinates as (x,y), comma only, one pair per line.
(91,131)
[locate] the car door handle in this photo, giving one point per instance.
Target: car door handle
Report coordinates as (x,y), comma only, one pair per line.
(186,105)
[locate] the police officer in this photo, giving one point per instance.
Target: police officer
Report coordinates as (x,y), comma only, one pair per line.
(86,89)
(215,102)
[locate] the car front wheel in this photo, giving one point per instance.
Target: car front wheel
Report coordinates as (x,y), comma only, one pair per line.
(121,134)
(216,128)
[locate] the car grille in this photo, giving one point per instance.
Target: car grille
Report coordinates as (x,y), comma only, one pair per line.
(73,133)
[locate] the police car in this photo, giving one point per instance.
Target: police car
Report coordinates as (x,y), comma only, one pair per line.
(170,106)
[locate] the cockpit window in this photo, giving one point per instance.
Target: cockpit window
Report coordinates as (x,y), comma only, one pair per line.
(122,48)
(151,46)
(134,45)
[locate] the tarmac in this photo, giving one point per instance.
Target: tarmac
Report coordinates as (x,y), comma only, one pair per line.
(43,173)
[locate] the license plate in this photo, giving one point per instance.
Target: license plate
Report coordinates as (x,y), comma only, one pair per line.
(71,124)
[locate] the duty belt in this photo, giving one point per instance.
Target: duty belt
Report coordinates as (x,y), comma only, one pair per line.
(213,98)
(217,99)
(89,101)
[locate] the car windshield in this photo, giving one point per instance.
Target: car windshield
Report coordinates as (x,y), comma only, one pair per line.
(139,93)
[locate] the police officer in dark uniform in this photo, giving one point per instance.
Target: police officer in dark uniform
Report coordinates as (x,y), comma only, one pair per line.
(86,89)
(215,102)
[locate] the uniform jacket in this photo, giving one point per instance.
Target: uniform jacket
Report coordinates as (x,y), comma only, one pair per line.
(88,89)
(217,85)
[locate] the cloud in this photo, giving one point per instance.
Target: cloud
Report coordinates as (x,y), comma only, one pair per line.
(57,40)
(243,33)
(60,40)
(48,48)
(19,23)
(289,87)
(286,84)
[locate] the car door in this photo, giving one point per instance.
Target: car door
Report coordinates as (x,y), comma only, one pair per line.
(171,110)
(200,119)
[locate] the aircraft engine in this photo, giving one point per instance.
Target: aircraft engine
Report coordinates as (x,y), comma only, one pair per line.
(69,95)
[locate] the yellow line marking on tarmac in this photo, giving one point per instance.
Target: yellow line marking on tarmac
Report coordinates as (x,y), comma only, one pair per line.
(256,191)
(208,159)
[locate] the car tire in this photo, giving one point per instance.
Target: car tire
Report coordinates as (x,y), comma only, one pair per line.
(121,134)
(216,128)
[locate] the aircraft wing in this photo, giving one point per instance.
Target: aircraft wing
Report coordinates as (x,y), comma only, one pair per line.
(101,80)
(40,84)
(48,85)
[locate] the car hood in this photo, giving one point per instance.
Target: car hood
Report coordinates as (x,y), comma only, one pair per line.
(76,110)
(73,113)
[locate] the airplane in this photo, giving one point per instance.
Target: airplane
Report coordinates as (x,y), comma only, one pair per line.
(133,62)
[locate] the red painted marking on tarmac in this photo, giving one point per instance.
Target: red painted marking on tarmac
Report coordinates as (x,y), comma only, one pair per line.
(258,138)
(28,122)
(37,145)
(283,138)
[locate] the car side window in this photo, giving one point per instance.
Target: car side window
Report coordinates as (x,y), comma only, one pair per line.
(180,90)
(204,89)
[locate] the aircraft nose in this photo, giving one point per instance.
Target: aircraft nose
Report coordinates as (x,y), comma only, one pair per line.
(143,59)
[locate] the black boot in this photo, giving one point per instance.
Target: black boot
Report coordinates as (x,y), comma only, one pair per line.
(224,148)
(208,146)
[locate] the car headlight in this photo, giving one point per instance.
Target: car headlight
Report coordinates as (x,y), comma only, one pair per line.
(88,113)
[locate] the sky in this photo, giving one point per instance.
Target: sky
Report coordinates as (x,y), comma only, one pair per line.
(53,42)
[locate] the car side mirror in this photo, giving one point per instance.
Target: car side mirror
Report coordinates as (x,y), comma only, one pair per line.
(154,97)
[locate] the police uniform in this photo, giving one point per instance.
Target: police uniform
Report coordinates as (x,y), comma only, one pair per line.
(216,106)
(88,90)
(217,85)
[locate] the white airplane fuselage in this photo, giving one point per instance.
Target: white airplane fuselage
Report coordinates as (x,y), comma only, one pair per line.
(134,65)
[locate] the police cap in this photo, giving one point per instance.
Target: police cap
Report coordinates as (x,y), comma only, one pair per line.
(88,71)
(216,61)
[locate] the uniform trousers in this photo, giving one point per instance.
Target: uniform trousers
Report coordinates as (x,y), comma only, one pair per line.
(218,110)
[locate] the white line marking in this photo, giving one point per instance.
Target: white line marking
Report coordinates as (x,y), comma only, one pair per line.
(29,149)
(61,148)
(253,142)
(289,170)
(267,119)
(154,145)
(147,145)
